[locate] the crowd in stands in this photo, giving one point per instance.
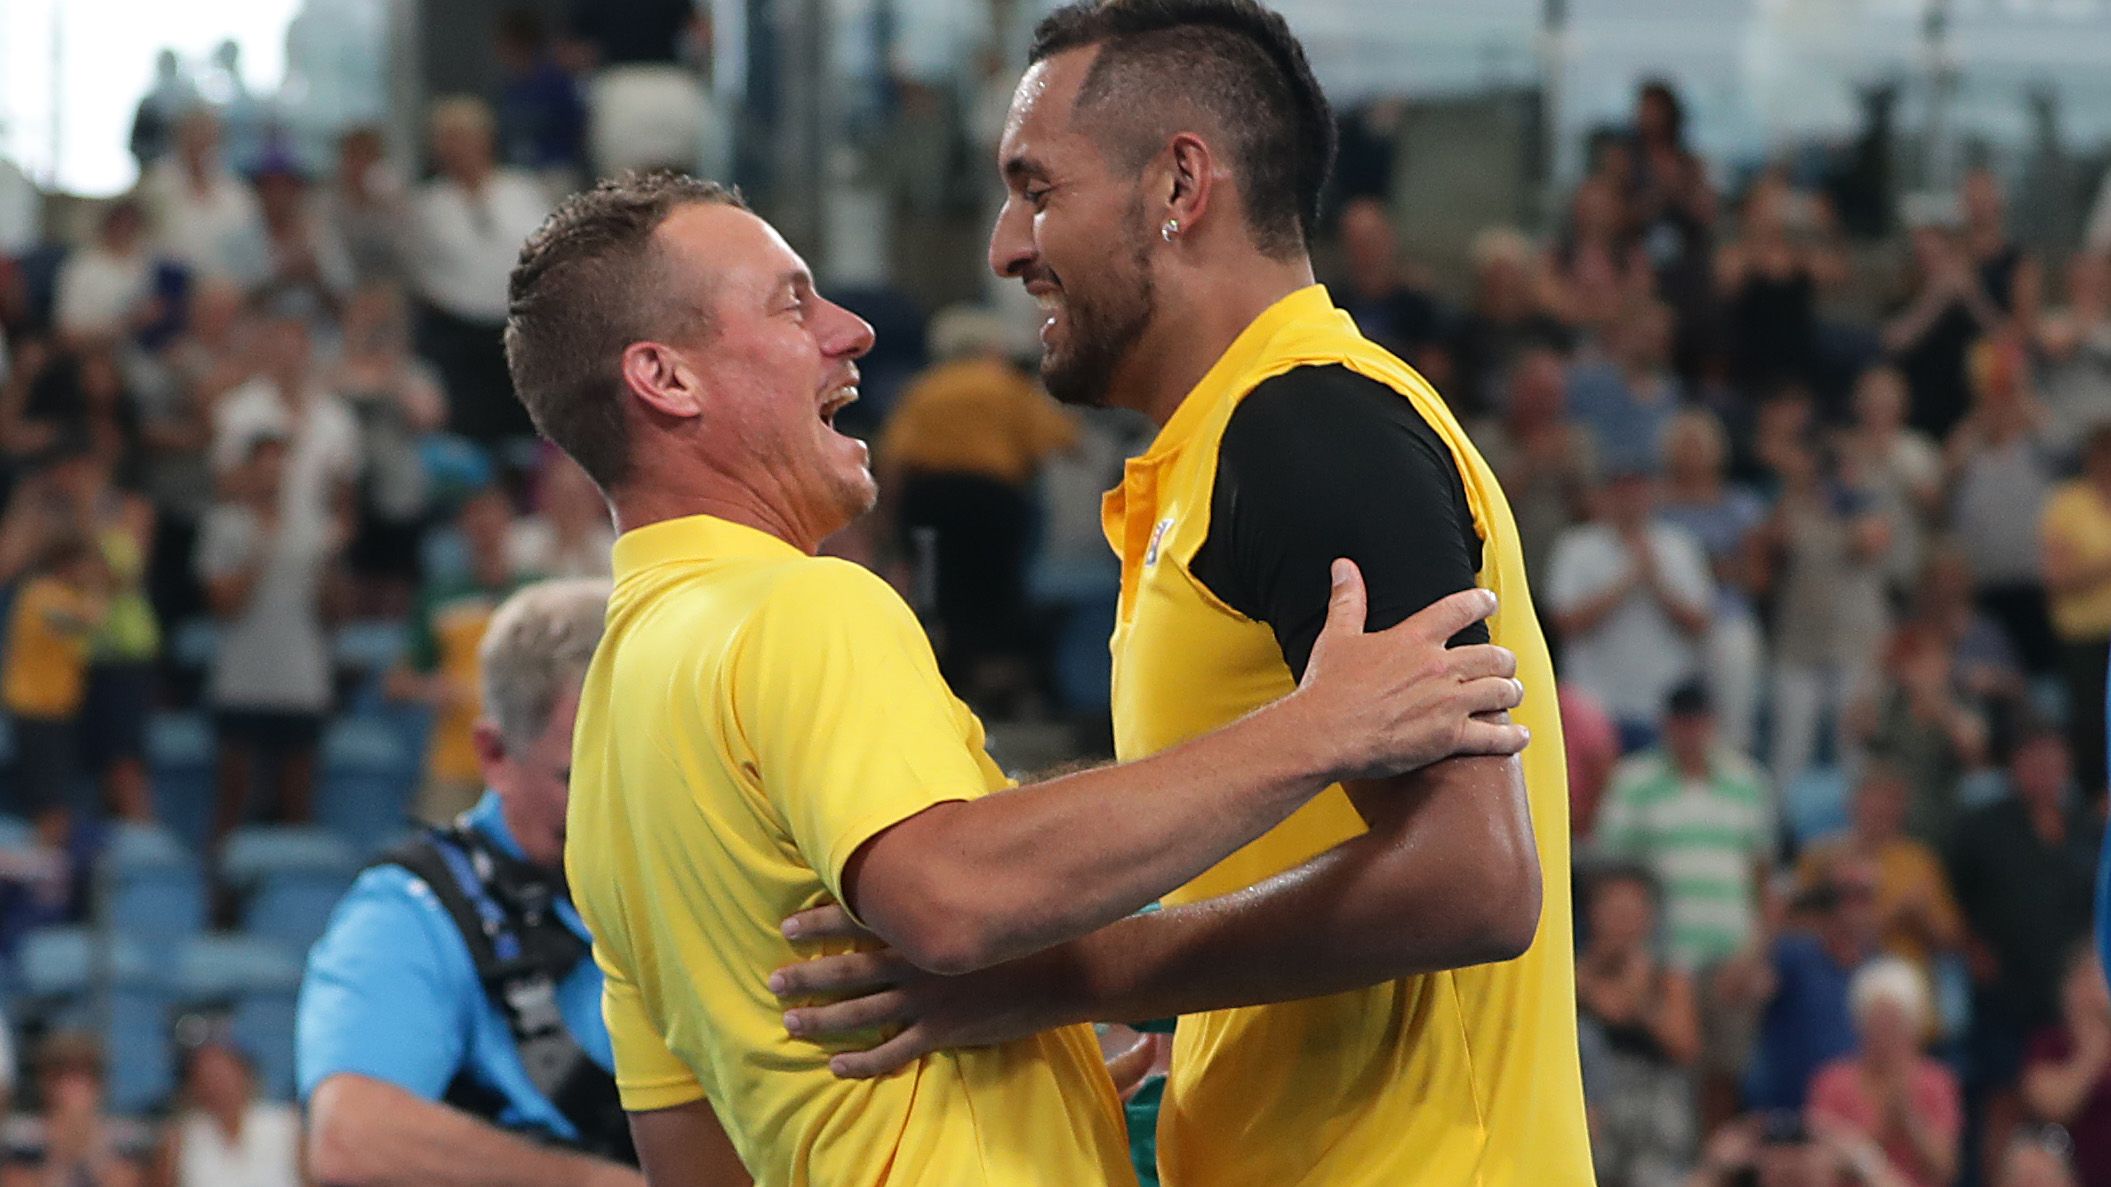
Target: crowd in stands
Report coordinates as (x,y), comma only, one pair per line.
(1827,561)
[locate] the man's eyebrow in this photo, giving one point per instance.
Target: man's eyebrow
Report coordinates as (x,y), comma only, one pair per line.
(1019,166)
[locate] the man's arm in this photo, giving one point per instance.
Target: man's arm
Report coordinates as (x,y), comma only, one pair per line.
(686,1147)
(364,1132)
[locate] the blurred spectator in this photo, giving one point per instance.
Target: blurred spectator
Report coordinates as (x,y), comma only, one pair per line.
(1803,982)
(1887,1091)
(1546,463)
(1943,314)
(2000,478)
(1725,519)
(364,206)
(154,120)
(1825,545)
(1915,909)
(396,401)
(2038,1161)
(287,400)
(1696,815)
(71,1141)
(962,450)
(1630,597)
(2076,536)
(646,110)
(571,533)
(1902,463)
(123,650)
(200,209)
(1389,307)
(222,1135)
(2012,277)
(1916,721)
(467,227)
(1672,207)
(1599,269)
(1505,318)
(1769,279)
(264,560)
(2024,867)
(1643,1010)
(541,117)
(1777,1149)
(1591,744)
(1984,671)
(176,393)
(57,611)
(296,251)
(1626,398)
(440,670)
(75,401)
(2067,1072)
(106,290)
(2074,346)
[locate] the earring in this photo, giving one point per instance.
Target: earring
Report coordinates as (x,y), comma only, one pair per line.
(1170,229)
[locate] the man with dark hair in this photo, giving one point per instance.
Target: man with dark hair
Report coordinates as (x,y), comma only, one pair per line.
(1164,160)
(764,731)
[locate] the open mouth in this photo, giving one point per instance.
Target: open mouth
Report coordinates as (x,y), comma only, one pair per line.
(836,401)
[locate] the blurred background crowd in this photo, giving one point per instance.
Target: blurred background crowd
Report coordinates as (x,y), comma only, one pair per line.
(1809,443)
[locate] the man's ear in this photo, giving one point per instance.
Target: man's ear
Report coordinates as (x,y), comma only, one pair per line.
(657,375)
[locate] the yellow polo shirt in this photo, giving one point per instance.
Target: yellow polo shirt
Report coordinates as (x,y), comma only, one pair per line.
(47,666)
(1461,1077)
(2080,521)
(752,717)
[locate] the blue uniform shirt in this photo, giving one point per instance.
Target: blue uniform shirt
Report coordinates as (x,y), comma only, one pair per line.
(391,993)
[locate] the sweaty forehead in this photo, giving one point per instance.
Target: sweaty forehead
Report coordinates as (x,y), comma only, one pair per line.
(1039,120)
(722,245)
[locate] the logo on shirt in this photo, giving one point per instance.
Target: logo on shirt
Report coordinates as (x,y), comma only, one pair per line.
(1150,555)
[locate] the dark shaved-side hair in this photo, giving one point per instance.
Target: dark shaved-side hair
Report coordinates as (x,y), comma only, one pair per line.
(589,284)
(1231,62)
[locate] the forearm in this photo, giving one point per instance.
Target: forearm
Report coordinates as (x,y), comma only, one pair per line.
(1418,893)
(366,1133)
(1024,869)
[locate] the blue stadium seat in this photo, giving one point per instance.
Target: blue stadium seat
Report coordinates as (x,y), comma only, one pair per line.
(370,646)
(227,967)
(294,909)
(180,755)
(193,642)
(154,887)
(263,1026)
(368,776)
(138,1047)
(261,852)
(62,962)
(1816,803)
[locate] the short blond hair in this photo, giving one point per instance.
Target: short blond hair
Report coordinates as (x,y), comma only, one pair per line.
(1889,979)
(536,650)
(460,111)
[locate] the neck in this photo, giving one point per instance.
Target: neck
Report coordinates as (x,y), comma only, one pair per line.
(1693,766)
(1195,327)
(656,498)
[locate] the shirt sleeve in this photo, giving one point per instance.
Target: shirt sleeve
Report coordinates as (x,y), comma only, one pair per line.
(225,544)
(852,730)
(648,1075)
(1320,463)
(380,997)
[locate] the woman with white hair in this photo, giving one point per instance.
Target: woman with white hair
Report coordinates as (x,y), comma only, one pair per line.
(1888,1091)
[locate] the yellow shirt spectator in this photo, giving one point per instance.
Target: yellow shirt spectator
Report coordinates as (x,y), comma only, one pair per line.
(1912,892)
(977,416)
(47,649)
(753,716)
(2077,526)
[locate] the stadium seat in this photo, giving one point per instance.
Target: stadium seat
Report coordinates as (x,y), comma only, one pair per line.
(259,853)
(263,1026)
(152,886)
(368,775)
(63,962)
(192,643)
(1816,804)
(180,750)
(370,646)
(226,967)
(292,910)
(138,1046)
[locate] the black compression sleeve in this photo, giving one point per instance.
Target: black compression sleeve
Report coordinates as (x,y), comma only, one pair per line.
(1320,463)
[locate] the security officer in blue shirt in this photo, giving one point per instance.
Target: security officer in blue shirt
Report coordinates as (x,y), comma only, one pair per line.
(450,1030)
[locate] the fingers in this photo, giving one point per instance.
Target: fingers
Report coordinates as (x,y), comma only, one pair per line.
(1443,619)
(892,1055)
(836,976)
(1499,739)
(1346,602)
(840,1018)
(1476,660)
(1492,694)
(824,923)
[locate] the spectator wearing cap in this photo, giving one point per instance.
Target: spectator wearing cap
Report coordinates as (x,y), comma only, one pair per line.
(960,453)
(288,400)
(1915,906)
(2075,534)
(71,1140)
(1802,981)
(1627,396)
(199,207)
(2024,867)
(1641,1015)
(1888,1091)
(297,251)
(2067,1071)
(222,1135)
(467,227)
(1632,601)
